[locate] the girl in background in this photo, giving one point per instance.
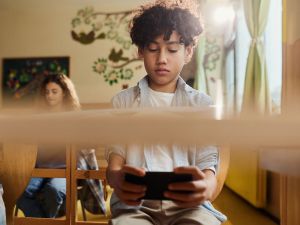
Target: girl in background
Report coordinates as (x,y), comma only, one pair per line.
(2,208)
(57,93)
(45,197)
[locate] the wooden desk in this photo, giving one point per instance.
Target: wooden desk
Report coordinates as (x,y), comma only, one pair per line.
(286,162)
(182,125)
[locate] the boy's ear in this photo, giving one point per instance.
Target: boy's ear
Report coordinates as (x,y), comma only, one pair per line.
(141,53)
(189,50)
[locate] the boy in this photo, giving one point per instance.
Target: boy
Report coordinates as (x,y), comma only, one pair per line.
(165,34)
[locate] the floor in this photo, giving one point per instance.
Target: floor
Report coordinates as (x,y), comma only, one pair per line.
(240,212)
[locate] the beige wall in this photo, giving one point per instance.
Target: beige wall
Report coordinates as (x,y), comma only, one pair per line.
(293,16)
(289,190)
(291,46)
(31,28)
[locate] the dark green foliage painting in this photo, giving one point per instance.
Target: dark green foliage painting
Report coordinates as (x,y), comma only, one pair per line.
(21,78)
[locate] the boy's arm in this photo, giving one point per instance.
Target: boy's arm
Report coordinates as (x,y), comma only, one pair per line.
(212,182)
(128,193)
(115,163)
(202,187)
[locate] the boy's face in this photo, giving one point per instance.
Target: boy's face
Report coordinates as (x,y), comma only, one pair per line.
(164,60)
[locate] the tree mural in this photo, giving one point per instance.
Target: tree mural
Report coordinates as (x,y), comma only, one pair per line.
(121,63)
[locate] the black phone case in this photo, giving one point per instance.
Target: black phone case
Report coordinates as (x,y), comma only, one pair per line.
(157,182)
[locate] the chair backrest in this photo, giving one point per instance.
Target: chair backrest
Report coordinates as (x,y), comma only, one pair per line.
(224,159)
(16,167)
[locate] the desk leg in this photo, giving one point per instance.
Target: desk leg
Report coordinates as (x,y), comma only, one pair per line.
(289,200)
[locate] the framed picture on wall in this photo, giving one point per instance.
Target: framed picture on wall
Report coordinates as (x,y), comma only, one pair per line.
(21,77)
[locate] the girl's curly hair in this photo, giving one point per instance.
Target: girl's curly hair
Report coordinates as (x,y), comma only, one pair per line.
(70,101)
(162,18)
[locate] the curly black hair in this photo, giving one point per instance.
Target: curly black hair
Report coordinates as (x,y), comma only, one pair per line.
(162,18)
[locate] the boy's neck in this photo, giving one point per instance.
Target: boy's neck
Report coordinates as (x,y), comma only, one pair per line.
(167,88)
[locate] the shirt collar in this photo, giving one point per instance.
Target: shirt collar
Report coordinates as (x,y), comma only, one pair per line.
(143,87)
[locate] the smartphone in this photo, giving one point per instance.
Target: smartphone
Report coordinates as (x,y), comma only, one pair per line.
(157,182)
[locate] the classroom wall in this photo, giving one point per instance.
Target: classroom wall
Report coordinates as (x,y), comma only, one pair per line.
(289,186)
(292,16)
(291,52)
(34,28)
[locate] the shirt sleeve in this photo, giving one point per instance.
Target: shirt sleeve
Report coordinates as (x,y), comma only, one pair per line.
(116,149)
(207,158)
(212,168)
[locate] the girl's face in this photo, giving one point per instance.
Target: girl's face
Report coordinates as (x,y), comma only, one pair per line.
(54,95)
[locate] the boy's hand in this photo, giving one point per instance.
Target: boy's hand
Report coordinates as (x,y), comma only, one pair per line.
(197,191)
(128,193)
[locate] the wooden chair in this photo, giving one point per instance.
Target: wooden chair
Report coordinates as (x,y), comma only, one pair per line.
(52,173)
(84,174)
(17,163)
(17,168)
(224,156)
